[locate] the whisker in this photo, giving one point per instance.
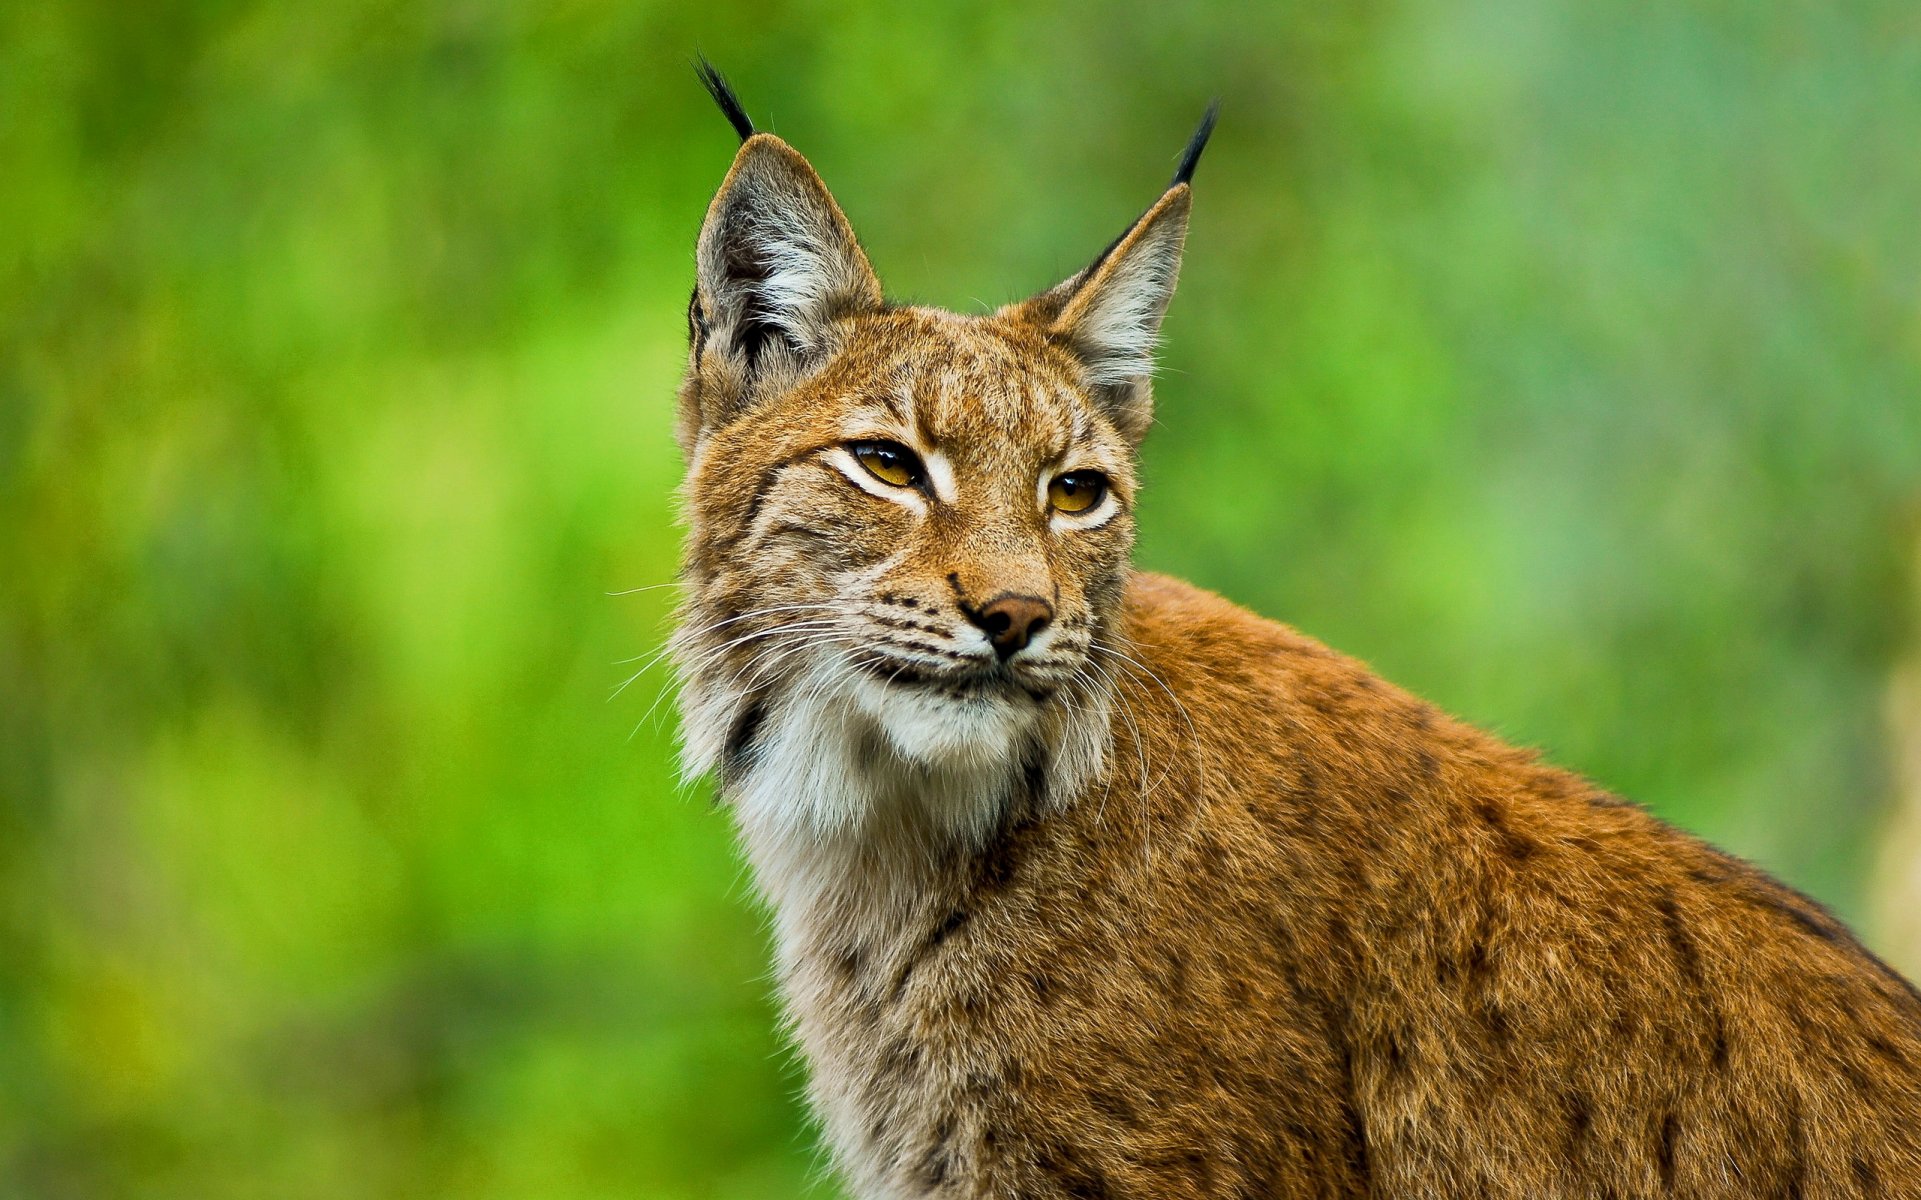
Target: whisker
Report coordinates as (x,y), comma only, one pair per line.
(1200,766)
(682,636)
(814,639)
(704,655)
(928,654)
(1142,785)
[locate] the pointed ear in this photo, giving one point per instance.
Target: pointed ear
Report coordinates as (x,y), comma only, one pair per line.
(1110,314)
(777,264)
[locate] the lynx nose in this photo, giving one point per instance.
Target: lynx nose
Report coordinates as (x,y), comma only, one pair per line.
(1010,622)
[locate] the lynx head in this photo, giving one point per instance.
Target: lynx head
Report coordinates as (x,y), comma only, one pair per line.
(909,529)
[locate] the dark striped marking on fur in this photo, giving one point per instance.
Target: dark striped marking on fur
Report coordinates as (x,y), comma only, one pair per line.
(740,739)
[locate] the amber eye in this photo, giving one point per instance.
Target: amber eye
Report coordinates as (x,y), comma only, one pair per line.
(1077,491)
(889,462)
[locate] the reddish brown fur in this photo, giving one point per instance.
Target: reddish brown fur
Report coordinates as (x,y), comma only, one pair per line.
(1348,946)
(1290,932)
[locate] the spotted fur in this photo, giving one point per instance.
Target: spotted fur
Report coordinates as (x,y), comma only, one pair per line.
(1174,901)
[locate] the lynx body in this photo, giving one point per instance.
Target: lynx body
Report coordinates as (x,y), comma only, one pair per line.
(1086,883)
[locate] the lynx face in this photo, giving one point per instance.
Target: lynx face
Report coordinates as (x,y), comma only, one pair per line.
(910,529)
(938,519)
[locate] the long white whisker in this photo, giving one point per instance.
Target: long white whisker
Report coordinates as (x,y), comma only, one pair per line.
(706,656)
(816,637)
(1194,756)
(700,654)
(1142,784)
(678,639)
(1084,675)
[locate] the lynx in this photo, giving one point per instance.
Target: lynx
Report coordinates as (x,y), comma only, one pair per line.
(1086,883)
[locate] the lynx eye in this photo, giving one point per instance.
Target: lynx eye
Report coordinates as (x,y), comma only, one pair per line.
(889,462)
(1077,491)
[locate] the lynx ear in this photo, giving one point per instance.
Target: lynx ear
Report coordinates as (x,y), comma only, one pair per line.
(1110,314)
(777,259)
(775,266)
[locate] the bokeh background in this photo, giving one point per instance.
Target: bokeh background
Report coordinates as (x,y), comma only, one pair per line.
(1560,357)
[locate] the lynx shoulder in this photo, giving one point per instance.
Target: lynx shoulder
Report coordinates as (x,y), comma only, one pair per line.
(1087,883)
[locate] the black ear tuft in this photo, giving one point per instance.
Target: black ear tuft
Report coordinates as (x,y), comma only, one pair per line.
(723,95)
(1191,157)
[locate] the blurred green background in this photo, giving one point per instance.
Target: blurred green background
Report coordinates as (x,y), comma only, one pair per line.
(1560,357)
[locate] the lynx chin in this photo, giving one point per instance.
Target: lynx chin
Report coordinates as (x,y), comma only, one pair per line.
(1086,883)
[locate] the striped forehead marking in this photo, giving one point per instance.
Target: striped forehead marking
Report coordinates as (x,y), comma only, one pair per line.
(955,403)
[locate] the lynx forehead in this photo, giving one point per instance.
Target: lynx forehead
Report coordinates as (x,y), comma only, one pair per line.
(1086,883)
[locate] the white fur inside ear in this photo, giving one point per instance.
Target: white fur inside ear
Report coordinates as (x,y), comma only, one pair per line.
(805,283)
(1114,319)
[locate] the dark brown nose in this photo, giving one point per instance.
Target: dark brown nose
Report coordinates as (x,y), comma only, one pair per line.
(1010,622)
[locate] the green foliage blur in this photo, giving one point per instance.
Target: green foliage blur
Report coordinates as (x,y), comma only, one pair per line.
(1562,359)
